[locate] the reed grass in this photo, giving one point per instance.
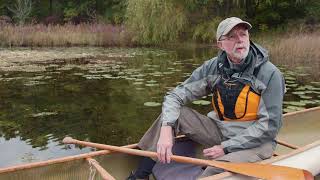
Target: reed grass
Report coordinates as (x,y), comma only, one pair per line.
(294,50)
(64,35)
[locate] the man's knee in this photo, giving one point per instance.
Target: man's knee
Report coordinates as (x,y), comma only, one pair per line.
(184,111)
(209,171)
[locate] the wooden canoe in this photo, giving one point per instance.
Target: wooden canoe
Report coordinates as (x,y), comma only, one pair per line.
(299,147)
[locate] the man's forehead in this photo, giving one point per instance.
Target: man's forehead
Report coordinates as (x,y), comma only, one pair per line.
(239,27)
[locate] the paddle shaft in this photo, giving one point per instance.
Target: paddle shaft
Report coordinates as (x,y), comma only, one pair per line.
(137,152)
(263,171)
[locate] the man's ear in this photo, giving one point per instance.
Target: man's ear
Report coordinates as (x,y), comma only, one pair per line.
(219,44)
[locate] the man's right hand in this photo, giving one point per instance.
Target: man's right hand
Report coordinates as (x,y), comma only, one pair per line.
(165,143)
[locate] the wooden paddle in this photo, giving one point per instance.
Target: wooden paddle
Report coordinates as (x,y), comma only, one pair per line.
(264,171)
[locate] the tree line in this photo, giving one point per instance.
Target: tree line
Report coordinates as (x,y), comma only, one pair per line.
(158,21)
(64,11)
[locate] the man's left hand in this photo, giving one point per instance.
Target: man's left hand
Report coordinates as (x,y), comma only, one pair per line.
(214,152)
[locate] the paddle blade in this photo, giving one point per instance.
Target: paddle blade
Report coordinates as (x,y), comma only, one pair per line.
(265,171)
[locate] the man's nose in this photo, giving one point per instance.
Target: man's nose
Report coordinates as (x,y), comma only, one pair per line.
(239,38)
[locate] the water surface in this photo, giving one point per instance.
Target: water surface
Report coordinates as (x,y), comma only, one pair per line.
(101,95)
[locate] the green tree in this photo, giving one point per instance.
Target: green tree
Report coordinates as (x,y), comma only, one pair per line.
(21,10)
(156,21)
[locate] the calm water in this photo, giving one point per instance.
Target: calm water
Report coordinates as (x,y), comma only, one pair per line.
(111,98)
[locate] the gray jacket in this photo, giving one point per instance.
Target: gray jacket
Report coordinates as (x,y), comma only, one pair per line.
(268,82)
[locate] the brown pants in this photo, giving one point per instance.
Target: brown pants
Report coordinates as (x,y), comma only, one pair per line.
(203,130)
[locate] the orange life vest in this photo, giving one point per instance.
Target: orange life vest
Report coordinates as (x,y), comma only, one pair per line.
(233,97)
(234,101)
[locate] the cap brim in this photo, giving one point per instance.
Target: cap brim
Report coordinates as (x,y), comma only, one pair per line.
(229,28)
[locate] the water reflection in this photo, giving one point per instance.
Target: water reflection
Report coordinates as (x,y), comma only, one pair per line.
(103,99)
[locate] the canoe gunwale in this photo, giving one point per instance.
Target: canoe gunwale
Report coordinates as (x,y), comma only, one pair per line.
(60,160)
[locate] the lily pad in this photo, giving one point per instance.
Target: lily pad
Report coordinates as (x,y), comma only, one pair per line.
(295,108)
(138,75)
(290,82)
(139,80)
(299,93)
(301,88)
(290,78)
(292,85)
(151,81)
(44,114)
(139,88)
(309,87)
(303,74)
(201,102)
(286,110)
(166,73)
(33,83)
(314,88)
(92,77)
(305,97)
(137,83)
(130,78)
(294,103)
(308,102)
(152,104)
(156,74)
(289,73)
(315,83)
(152,85)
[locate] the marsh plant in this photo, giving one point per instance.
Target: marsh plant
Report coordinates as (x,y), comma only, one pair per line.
(64,35)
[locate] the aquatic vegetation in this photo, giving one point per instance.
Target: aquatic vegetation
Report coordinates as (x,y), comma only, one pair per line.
(44,114)
(152,104)
(201,102)
(305,97)
(152,85)
(138,80)
(315,83)
(33,83)
(290,78)
(292,85)
(295,103)
(309,102)
(90,77)
(137,83)
(167,72)
(152,81)
(140,89)
(299,92)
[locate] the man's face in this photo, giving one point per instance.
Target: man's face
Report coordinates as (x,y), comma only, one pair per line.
(236,43)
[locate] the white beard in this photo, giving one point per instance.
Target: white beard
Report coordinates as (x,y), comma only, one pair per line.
(240,55)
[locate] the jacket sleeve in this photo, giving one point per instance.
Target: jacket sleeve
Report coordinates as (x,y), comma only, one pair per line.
(191,89)
(267,126)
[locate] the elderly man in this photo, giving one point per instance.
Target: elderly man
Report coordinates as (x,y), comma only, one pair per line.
(247,92)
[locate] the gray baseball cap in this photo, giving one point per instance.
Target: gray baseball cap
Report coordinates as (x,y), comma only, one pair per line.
(226,26)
